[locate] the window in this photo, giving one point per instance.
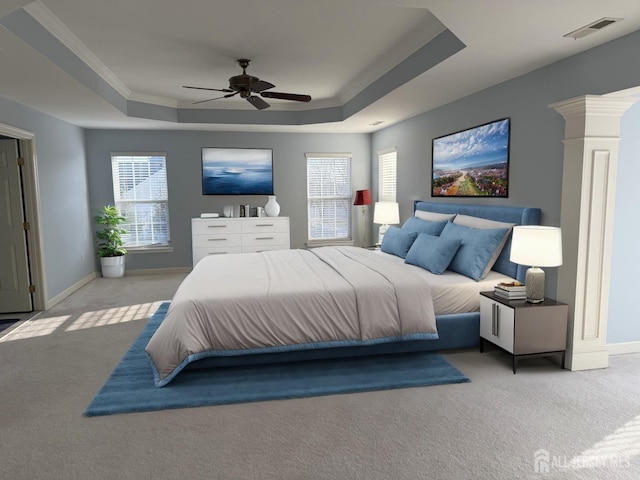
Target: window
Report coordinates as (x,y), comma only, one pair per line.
(329,196)
(140,194)
(387,177)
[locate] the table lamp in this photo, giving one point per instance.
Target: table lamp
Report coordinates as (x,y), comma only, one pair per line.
(536,246)
(363,198)
(385,213)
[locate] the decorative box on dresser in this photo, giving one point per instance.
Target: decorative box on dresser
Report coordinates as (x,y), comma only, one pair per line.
(216,236)
(524,329)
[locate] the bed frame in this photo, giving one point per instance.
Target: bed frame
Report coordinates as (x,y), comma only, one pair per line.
(455,330)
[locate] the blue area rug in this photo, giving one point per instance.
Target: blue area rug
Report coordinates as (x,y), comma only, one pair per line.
(130,387)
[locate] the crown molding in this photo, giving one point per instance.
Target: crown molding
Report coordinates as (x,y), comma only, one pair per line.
(59,30)
(389,59)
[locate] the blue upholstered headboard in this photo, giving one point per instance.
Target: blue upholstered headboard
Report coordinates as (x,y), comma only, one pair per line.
(517,215)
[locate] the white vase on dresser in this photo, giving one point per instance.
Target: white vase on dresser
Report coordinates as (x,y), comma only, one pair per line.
(272,207)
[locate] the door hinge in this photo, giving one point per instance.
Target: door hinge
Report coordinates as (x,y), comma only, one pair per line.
(21,161)
(32,289)
(26,226)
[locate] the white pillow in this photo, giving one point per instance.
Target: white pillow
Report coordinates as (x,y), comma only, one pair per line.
(433,216)
(477,222)
(485,224)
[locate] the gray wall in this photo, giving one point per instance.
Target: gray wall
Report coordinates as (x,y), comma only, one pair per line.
(623,323)
(536,139)
(184,177)
(62,179)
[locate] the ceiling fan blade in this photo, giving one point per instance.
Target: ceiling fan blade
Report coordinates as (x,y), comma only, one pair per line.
(257,102)
(287,96)
(217,98)
(227,90)
(260,86)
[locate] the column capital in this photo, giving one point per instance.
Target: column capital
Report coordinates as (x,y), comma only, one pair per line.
(593,115)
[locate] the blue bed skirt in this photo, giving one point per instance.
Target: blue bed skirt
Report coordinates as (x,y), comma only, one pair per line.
(455,331)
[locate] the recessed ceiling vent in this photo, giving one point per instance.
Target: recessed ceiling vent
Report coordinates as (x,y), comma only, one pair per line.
(592,27)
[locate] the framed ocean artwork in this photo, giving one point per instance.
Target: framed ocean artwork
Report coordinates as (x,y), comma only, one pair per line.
(237,171)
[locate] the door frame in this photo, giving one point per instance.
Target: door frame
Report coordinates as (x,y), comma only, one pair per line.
(31,205)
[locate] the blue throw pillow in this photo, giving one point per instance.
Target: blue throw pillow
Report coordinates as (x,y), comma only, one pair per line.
(415,224)
(397,241)
(478,248)
(433,253)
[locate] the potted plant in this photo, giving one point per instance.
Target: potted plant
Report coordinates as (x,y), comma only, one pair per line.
(110,249)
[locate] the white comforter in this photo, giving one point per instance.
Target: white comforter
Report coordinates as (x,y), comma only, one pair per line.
(290,299)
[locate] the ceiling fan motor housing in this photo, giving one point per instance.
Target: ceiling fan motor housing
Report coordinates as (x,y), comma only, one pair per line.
(242,82)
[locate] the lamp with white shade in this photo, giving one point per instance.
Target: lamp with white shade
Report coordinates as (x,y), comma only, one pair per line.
(536,246)
(385,214)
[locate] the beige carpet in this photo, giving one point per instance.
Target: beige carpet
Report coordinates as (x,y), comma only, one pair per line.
(584,425)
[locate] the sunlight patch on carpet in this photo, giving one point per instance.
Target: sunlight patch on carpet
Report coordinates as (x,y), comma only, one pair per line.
(112,316)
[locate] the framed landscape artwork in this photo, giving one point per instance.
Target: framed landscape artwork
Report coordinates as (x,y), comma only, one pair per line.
(237,171)
(472,162)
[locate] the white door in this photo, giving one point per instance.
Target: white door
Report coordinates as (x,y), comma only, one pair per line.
(14,265)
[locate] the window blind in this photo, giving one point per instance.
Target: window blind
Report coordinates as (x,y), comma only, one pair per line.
(387,175)
(141,196)
(329,196)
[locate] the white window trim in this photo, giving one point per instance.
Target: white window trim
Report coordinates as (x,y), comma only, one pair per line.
(152,248)
(311,243)
(381,154)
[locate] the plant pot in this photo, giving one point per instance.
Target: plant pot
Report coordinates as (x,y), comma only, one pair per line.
(112,267)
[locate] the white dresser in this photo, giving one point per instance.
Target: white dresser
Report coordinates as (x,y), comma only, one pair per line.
(215,236)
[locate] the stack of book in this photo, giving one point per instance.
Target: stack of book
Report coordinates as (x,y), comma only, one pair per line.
(510,291)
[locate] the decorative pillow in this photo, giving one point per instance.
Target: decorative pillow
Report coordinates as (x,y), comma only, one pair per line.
(433,216)
(479,246)
(433,253)
(397,241)
(477,222)
(415,224)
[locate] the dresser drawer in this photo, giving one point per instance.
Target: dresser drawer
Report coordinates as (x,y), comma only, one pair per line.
(265,238)
(263,248)
(201,252)
(217,240)
(266,224)
(208,226)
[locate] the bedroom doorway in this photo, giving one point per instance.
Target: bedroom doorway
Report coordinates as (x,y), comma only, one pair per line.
(22,288)
(15,277)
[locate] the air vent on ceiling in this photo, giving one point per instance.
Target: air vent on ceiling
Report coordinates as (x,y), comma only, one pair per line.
(592,27)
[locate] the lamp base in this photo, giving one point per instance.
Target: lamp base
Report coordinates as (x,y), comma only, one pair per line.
(534,285)
(383,229)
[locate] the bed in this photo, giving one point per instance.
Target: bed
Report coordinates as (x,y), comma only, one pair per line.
(294,305)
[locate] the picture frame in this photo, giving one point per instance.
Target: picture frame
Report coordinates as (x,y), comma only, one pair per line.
(472,162)
(237,171)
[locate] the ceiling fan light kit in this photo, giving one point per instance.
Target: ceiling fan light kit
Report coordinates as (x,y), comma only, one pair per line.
(247,85)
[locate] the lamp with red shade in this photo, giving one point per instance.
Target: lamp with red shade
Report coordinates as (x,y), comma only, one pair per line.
(363,198)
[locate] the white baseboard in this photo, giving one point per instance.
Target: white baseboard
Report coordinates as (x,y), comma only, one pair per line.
(624,348)
(156,271)
(65,293)
(587,359)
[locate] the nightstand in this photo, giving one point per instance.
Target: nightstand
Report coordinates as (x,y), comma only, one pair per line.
(524,329)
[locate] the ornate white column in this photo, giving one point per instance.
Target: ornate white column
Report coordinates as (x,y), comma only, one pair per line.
(592,135)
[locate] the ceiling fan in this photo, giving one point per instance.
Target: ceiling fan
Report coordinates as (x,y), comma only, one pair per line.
(247,85)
